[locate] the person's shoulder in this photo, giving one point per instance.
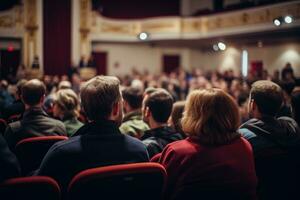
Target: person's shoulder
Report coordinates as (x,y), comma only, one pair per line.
(133,141)
(66,145)
(182,145)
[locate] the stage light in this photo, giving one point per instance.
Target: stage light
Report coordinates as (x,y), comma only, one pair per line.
(276,22)
(288,19)
(143,36)
(215,47)
(221,46)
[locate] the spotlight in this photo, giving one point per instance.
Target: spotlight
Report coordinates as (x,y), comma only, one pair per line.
(143,36)
(221,46)
(276,22)
(288,19)
(215,47)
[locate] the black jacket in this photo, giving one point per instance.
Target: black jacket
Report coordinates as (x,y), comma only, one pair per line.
(156,139)
(269,132)
(93,145)
(8,162)
(35,122)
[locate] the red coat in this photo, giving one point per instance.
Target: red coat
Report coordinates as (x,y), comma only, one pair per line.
(224,167)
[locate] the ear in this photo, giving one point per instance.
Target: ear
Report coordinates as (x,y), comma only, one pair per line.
(42,99)
(147,112)
(252,105)
(116,108)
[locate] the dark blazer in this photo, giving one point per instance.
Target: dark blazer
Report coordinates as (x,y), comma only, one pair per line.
(93,145)
(35,122)
(8,162)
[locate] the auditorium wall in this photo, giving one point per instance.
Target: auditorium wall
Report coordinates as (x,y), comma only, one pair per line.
(122,58)
(273,57)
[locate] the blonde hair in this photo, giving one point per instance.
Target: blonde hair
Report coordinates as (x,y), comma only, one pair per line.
(212,116)
(68,102)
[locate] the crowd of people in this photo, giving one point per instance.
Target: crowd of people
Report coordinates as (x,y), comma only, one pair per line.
(209,130)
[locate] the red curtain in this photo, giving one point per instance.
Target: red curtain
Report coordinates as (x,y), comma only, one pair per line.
(57,36)
(101,62)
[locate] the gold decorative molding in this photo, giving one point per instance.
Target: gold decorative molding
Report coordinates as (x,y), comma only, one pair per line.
(7,21)
(194,25)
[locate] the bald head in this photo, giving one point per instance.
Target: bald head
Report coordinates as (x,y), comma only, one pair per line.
(33,91)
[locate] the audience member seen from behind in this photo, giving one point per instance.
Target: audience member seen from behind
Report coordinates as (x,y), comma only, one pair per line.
(214,161)
(157,107)
(35,122)
(17,107)
(264,130)
(99,142)
(176,115)
(8,162)
(133,123)
(275,142)
(66,108)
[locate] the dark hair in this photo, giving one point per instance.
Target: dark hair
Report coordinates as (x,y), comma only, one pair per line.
(268,97)
(33,91)
(160,104)
(133,96)
(98,96)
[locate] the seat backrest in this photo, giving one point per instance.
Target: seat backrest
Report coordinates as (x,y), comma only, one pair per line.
(31,151)
(125,181)
(33,188)
(278,174)
(155,158)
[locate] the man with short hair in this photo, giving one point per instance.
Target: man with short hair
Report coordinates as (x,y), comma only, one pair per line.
(133,123)
(35,121)
(275,142)
(157,108)
(264,130)
(98,143)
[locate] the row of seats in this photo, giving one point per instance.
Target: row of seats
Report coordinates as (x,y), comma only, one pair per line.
(126,181)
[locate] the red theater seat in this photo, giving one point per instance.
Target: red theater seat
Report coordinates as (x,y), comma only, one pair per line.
(31,151)
(31,188)
(155,158)
(126,181)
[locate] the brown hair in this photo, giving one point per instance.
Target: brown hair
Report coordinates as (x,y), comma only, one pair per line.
(33,91)
(98,96)
(212,116)
(176,115)
(268,97)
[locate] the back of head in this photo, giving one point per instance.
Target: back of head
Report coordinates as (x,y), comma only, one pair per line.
(98,95)
(68,102)
(20,84)
(64,85)
(176,115)
(160,104)
(133,96)
(268,97)
(33,91)
(211,115)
